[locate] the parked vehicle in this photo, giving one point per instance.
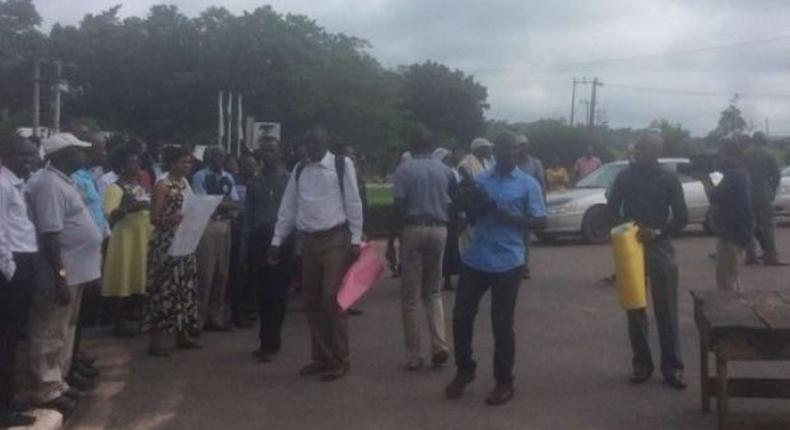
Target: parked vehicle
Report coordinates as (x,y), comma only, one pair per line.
(783,194)
(581,209)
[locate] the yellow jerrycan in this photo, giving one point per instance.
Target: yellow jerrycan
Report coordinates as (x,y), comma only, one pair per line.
(629,263)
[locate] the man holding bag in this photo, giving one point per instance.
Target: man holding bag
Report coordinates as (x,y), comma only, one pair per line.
(653,198)
(322,202)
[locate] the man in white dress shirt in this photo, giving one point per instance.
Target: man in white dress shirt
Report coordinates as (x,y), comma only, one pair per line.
(322,202)
(18,247)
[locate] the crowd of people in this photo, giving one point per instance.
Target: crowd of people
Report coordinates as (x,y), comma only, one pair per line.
(75,222)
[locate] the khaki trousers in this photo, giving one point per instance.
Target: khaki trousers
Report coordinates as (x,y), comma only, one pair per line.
(324,263)
(51,335)
(422,252)
(213,260)
(728,258)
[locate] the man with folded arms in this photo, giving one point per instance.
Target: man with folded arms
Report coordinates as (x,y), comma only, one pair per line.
(322,202)
(502,204)
(422,192)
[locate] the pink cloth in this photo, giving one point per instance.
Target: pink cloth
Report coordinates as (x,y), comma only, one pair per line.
(361,277)
(584,166)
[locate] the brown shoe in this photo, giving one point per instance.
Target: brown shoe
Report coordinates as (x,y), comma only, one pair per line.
(314,368)
(502,394)
(440,358)
(455,389)
(333,373)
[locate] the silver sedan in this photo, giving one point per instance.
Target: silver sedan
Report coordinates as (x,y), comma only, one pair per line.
(582,208)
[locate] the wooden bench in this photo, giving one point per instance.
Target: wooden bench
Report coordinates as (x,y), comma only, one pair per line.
(753,325)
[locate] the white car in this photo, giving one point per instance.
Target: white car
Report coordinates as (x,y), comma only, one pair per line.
(581,209)
(782,201)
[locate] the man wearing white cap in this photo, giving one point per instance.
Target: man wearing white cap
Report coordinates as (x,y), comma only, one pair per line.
(480,159)
(70,258)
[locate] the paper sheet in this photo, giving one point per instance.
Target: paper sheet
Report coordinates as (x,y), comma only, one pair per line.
(197,211)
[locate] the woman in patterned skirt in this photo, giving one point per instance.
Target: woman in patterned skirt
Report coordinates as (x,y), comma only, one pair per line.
(171,304)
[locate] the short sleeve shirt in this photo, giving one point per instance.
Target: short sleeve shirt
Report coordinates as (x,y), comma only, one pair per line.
(423,183)
(497,247)
(57,206)
(84,181)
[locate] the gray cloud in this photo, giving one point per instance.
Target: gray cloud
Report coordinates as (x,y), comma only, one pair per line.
(527,52)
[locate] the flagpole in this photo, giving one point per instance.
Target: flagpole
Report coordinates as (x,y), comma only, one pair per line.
(221,127)
(240,129)
(230,123)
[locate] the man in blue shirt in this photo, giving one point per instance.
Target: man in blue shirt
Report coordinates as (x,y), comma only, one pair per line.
(213,252)
(502,206)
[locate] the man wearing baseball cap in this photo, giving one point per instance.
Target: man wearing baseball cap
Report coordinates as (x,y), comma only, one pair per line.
(70,258)
(480,159)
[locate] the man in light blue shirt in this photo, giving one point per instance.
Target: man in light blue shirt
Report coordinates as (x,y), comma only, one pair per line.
(502,205)
(213,252)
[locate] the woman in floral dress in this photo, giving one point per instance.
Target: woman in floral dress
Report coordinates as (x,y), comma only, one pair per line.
(171,304)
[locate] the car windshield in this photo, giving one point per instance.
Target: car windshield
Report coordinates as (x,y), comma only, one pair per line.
(601,178)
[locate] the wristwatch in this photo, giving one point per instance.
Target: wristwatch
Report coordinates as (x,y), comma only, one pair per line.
(62,273)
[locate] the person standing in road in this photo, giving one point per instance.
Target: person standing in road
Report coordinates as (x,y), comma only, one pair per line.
(734,214)
(171,301)
(271,281)
(213,252)
(480,159)
(765,176)
(508,202)
(653,198)
(322,202)
(18,248)
(421,187)
(70,260)
(532,166)
(586,164)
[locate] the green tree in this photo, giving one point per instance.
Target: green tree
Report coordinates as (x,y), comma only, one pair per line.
(20,42)
(731,123)
(446,101)
(677,140)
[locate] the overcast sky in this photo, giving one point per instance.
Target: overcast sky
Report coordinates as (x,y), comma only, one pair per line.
(527,51)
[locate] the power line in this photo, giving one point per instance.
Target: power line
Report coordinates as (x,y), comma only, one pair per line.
(733,45)
(698,92)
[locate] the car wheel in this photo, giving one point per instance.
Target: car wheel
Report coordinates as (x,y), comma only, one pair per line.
(546,237)
(596,225)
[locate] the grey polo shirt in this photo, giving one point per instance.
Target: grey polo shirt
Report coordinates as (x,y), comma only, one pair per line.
(56,206)
(423,183)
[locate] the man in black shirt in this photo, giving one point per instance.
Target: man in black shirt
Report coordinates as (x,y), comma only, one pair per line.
(263,197)
(653,198)
(735,218)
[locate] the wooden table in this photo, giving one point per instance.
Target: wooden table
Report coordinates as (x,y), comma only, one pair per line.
(753,325)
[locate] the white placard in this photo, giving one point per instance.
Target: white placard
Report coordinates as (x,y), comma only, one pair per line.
(197,211)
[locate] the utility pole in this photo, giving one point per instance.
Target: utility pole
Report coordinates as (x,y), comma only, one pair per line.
(56,110)
(586,103)
(36,95)
(591,117)
(573,100)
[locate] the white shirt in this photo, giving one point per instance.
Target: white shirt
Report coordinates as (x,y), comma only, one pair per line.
(18,233)
(57,207)
(316,203)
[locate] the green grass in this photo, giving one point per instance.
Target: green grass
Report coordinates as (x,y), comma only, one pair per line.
(379,194)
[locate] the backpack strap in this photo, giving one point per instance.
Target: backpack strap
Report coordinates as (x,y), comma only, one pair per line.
(340,168)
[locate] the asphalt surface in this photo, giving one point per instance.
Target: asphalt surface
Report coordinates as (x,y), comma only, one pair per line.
(572,365)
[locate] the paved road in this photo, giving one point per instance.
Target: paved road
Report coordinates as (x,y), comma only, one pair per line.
(572,366)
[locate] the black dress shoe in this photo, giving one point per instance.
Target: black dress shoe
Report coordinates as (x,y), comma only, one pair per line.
(80,382)
(355,312)
(15,419)
(640,376)
(676,381)
(502,394)
(89,372)
(62,404)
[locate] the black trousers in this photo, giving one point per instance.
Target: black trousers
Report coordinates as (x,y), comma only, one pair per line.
(272,287)
(662,272)
(15,296)
(239,287)
(472,285)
